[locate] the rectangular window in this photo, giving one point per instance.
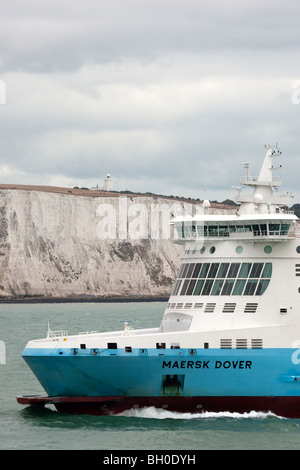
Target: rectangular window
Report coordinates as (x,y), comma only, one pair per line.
(239,287)
(184,287)
(233,270)
(227,288)
(176,287)
(267,272)
(274,229)
(213,270)
(200,230)
(223,231)
(179,230)
(213,230)
(204,270)
(263,229)
(187,230)
(223,270)
(217,287)
(256,270)
(250,287)
(198,287)
(191,287)
(180,274)
(207,287)
(285,229)
(245,270)
(262,285)
(190,270)
(256,230)
(184,271)
(196,270)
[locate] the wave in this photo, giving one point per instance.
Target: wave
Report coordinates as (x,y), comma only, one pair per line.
(158,413)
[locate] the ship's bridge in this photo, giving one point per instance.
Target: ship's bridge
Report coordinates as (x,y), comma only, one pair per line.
(260,216)
(279,227)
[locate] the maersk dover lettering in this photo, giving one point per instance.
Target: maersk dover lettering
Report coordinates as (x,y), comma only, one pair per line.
(229,338)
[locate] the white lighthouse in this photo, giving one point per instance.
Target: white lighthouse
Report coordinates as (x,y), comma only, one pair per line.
(108,183)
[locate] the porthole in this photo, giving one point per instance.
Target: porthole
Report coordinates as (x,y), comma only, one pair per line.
(202,250)
(268,249)
(298,249)
(239,250)
(299,290)
(212,249)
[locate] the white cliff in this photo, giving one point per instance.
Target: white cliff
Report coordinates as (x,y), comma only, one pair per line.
(61,245)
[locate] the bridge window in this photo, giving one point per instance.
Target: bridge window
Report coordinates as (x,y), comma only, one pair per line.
(245,269)
(256,269)
(223,279)
(191,229)
(227,288)
(239,287)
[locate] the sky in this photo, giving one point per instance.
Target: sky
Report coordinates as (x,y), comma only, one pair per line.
(168,96)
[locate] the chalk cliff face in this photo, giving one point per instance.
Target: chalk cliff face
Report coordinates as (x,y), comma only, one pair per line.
(63,245)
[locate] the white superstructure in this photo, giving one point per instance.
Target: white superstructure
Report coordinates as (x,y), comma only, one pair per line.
(238,283)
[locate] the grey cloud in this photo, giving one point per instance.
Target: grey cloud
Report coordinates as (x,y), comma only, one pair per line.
(50,36)
(167,95)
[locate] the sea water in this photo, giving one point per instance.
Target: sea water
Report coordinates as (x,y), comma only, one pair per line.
(30,428)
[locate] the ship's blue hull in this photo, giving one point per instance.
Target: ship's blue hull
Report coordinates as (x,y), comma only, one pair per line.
(183,379)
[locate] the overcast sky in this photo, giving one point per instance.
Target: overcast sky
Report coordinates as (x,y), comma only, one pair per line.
(168,96)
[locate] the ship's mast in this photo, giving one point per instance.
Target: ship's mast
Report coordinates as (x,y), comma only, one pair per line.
(264,198)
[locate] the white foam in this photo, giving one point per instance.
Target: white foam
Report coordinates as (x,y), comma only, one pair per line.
(158,413)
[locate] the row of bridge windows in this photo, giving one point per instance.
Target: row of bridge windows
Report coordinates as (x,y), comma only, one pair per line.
(191,229)
(223,279)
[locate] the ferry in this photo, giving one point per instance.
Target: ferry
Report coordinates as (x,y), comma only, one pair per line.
(229,339)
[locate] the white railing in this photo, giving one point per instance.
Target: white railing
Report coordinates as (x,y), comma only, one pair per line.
(55,334)
(255,180)
(88,332)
